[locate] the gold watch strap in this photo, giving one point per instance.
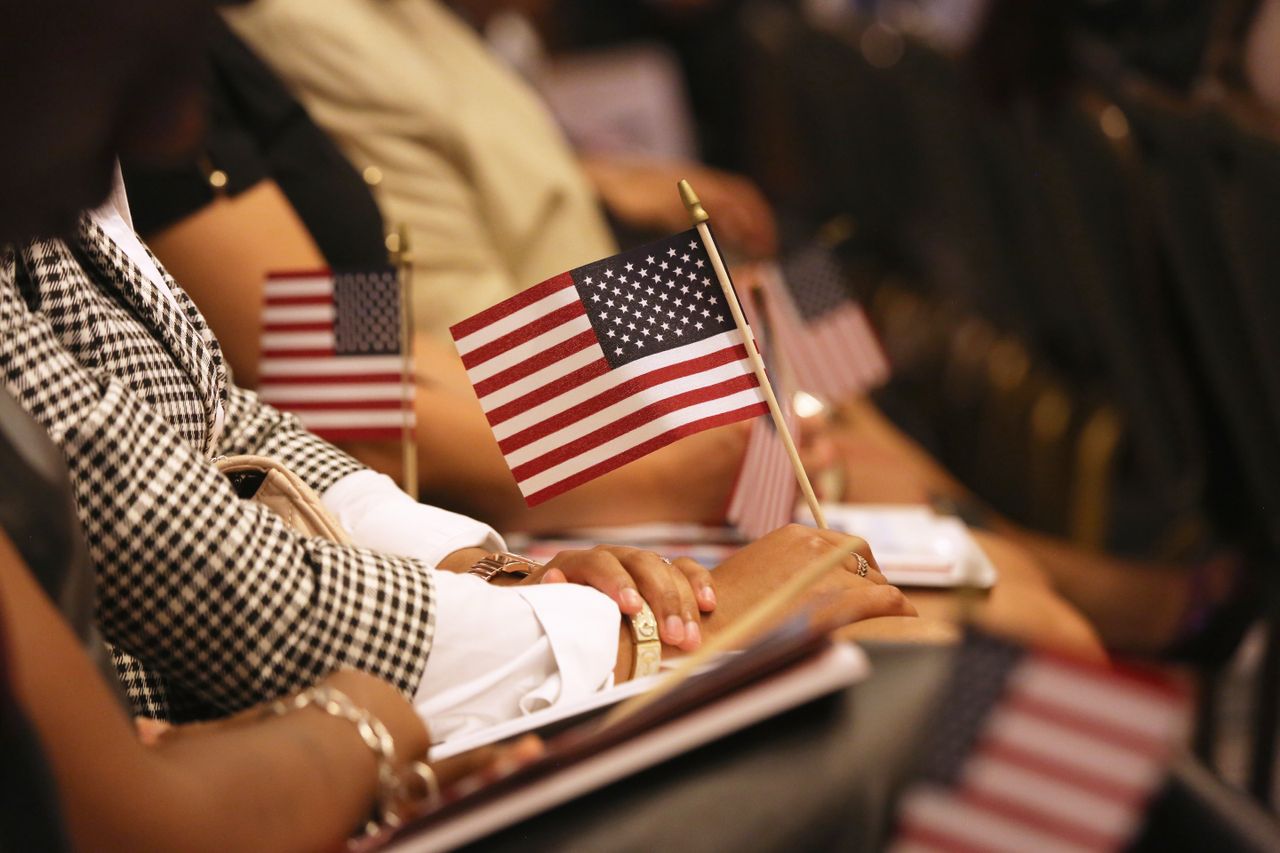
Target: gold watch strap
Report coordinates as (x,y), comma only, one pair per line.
(500,562)
(647,655)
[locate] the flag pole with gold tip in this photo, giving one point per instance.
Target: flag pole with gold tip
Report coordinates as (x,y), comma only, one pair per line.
(700,219)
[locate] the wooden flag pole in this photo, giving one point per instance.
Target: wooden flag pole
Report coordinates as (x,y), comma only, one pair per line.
(700,218)
(402,258)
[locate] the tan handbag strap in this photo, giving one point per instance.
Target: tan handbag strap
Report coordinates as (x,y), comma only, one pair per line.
(285,494)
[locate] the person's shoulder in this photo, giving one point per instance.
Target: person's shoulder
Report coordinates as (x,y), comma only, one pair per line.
(342,54)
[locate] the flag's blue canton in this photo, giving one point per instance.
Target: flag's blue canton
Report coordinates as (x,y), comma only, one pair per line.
(815,279)
(658,297)
(366,307)
(976,684)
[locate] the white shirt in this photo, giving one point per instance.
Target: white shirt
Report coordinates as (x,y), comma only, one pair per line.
(497,652)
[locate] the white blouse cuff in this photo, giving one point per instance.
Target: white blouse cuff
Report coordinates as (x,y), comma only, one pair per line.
(381,517)
(503,652)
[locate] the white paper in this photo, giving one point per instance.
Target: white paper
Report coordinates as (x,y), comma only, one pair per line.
(914,546)
(538,719)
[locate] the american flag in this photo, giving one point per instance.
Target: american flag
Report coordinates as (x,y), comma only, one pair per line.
(1036,752)
(823,333)
(332,353)
(598,366)
(764,494)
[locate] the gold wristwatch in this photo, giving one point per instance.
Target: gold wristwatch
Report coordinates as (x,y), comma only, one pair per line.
(646,658)
(512,566)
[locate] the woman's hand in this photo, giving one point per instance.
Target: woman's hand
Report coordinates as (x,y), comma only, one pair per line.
(839,598)
(641,193)
(679,591)
(486,765)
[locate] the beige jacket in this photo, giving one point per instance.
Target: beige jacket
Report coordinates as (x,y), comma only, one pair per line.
(472,161)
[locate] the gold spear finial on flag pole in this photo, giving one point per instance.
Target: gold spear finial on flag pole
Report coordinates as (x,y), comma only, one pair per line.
(693,204)
(699,216)
(402,258)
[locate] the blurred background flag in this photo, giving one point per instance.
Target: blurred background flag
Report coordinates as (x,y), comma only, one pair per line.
(332,353)
(824,334)
(764,493)
(605,363)
(1035,752)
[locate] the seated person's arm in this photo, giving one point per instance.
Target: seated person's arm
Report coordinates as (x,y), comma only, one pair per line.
(210,590)
(642,193)
(459,461)
(690,480)
(302,781)
(461,466)
(267,237)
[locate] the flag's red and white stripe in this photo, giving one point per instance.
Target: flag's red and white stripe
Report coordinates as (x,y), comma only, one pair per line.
(339,397)
(764,495)
(563,416)
(1065,762)
(837,355)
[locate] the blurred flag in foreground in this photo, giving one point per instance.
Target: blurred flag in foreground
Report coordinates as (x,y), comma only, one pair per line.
(332,353)
(1035,752)
(600,365)
(823,333)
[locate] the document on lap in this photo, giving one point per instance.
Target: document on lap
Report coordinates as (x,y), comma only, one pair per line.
(787,669)
(915,546)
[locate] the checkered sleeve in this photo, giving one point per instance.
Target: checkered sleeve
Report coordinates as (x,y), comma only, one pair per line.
(213,592)
(253,426)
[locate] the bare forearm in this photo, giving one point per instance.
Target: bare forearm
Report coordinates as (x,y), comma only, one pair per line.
(300,782)
(1137,606)
(463,470)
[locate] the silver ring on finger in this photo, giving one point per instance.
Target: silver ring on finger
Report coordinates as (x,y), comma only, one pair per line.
(665,560)
(863,565)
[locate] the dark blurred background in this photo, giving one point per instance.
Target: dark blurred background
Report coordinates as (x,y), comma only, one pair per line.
(1064,218)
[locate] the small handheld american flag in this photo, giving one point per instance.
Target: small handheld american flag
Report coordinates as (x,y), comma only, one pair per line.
(603,364)
(332,353)
(1035,752)
(821,330)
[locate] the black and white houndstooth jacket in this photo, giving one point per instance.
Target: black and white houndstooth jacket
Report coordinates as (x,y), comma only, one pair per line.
(210,602)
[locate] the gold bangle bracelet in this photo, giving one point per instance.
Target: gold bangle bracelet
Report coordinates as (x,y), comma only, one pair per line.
(647,657)
(375,735)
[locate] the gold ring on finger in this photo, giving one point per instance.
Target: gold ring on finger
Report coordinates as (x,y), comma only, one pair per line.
(863,565)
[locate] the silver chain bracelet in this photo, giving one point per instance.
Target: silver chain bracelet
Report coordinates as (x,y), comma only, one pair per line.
(392,791)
